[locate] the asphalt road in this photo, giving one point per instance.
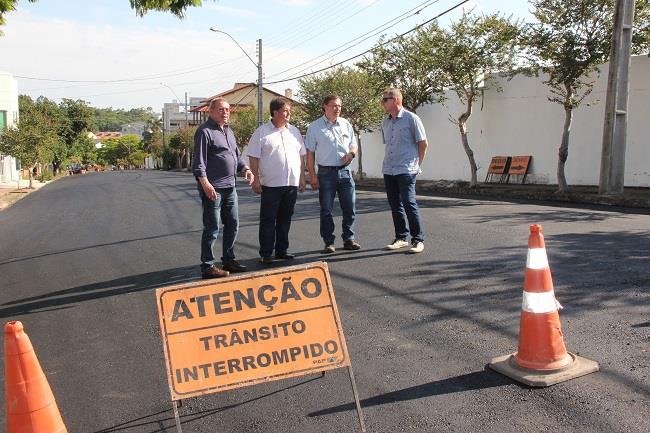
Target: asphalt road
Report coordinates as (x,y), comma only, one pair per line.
(80,260)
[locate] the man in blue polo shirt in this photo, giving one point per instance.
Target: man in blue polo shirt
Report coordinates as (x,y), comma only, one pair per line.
(406,146)
(331,144)
(216,162)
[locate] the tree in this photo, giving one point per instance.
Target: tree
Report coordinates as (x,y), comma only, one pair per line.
(182,142)
(152,138)
(76,118)
(359,99)
(244,123)
(571,39)
(468,54)
(407,63)
(119,151)
(176,7)
(30,140)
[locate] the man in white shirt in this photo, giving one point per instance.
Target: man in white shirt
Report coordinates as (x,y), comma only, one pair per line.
(276,152)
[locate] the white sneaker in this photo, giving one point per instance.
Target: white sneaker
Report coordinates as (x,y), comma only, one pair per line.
(416,247)
(397,244)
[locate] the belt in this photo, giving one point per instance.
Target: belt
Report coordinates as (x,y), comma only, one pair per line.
(332,167)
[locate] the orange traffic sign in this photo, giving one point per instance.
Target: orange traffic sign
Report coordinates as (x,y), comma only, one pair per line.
(239,331)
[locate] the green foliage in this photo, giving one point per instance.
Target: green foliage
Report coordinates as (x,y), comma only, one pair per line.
(407,63)
(32,138)
(116,151)
(109,119)
(152,138)
(571,38)
(359,100)
(359,96)
(176,7)
(7,6)
(244,123)
(471,49)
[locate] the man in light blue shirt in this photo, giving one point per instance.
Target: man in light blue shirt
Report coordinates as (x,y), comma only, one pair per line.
(331,144)
(406,145)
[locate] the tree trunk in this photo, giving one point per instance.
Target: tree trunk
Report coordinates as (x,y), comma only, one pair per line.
(462,126)
(31,178)
(359,156)
(563,153)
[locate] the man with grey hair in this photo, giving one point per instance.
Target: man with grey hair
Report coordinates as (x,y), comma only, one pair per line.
(216,162)
(406,145)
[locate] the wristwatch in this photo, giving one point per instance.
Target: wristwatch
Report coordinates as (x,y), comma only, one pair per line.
(353,154)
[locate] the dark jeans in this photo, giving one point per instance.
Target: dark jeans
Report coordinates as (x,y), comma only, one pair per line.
(276,211)
(400,190)
(335,181)
(224,208)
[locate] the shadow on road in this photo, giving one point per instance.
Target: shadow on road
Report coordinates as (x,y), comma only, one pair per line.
(158,420)
(467,382)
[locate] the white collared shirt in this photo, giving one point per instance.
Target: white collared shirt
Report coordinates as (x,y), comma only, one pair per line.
(279,151)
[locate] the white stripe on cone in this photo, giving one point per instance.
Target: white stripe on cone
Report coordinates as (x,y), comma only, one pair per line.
(536,258)
(540,303)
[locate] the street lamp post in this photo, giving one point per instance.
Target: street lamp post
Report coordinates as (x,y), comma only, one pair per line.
(258,65)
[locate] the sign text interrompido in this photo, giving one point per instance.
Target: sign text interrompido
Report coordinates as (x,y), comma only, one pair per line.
(225,334)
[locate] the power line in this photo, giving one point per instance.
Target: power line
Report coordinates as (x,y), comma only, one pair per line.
(325,31)
(383,27)
(369,50)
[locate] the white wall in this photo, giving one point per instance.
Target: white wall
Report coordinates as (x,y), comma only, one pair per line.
(521,121)
(8,103)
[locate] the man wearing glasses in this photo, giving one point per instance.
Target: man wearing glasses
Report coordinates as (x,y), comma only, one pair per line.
(406,146)
(216,162)
(332,146)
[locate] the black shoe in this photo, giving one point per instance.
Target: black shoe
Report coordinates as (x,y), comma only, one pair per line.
(351,244)
(284,256)
(266,260)
(234,266)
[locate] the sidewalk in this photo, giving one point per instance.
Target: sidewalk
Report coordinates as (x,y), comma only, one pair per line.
(636,198)
(9,192)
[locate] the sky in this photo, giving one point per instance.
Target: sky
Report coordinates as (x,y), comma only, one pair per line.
(101,52)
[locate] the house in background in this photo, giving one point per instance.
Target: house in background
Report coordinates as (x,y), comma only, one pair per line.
(99,137)
(242,95)
(9,166)
(133,128)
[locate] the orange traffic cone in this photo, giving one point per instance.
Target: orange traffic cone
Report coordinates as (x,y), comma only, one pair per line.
(542,358)
(31,407)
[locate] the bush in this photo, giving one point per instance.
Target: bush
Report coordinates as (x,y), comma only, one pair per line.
(45,176)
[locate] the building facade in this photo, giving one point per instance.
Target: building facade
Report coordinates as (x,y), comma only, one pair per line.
(9,166)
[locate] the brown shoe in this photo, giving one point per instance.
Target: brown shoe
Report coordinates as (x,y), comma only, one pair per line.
(214,272)
(329,249)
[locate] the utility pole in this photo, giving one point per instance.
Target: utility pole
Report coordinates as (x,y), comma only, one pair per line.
(612,162)
(260,88)
(187,123)
(163,138)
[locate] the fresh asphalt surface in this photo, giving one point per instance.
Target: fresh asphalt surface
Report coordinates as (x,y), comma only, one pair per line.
(81,258)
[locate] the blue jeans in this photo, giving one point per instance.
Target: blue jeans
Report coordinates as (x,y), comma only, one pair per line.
(276,211)
(225,208)
(335,181)
(400,190)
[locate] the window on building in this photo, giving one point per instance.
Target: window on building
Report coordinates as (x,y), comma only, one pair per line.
(3,120)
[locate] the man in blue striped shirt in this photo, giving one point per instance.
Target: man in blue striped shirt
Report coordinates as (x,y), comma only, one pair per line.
(406,145)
